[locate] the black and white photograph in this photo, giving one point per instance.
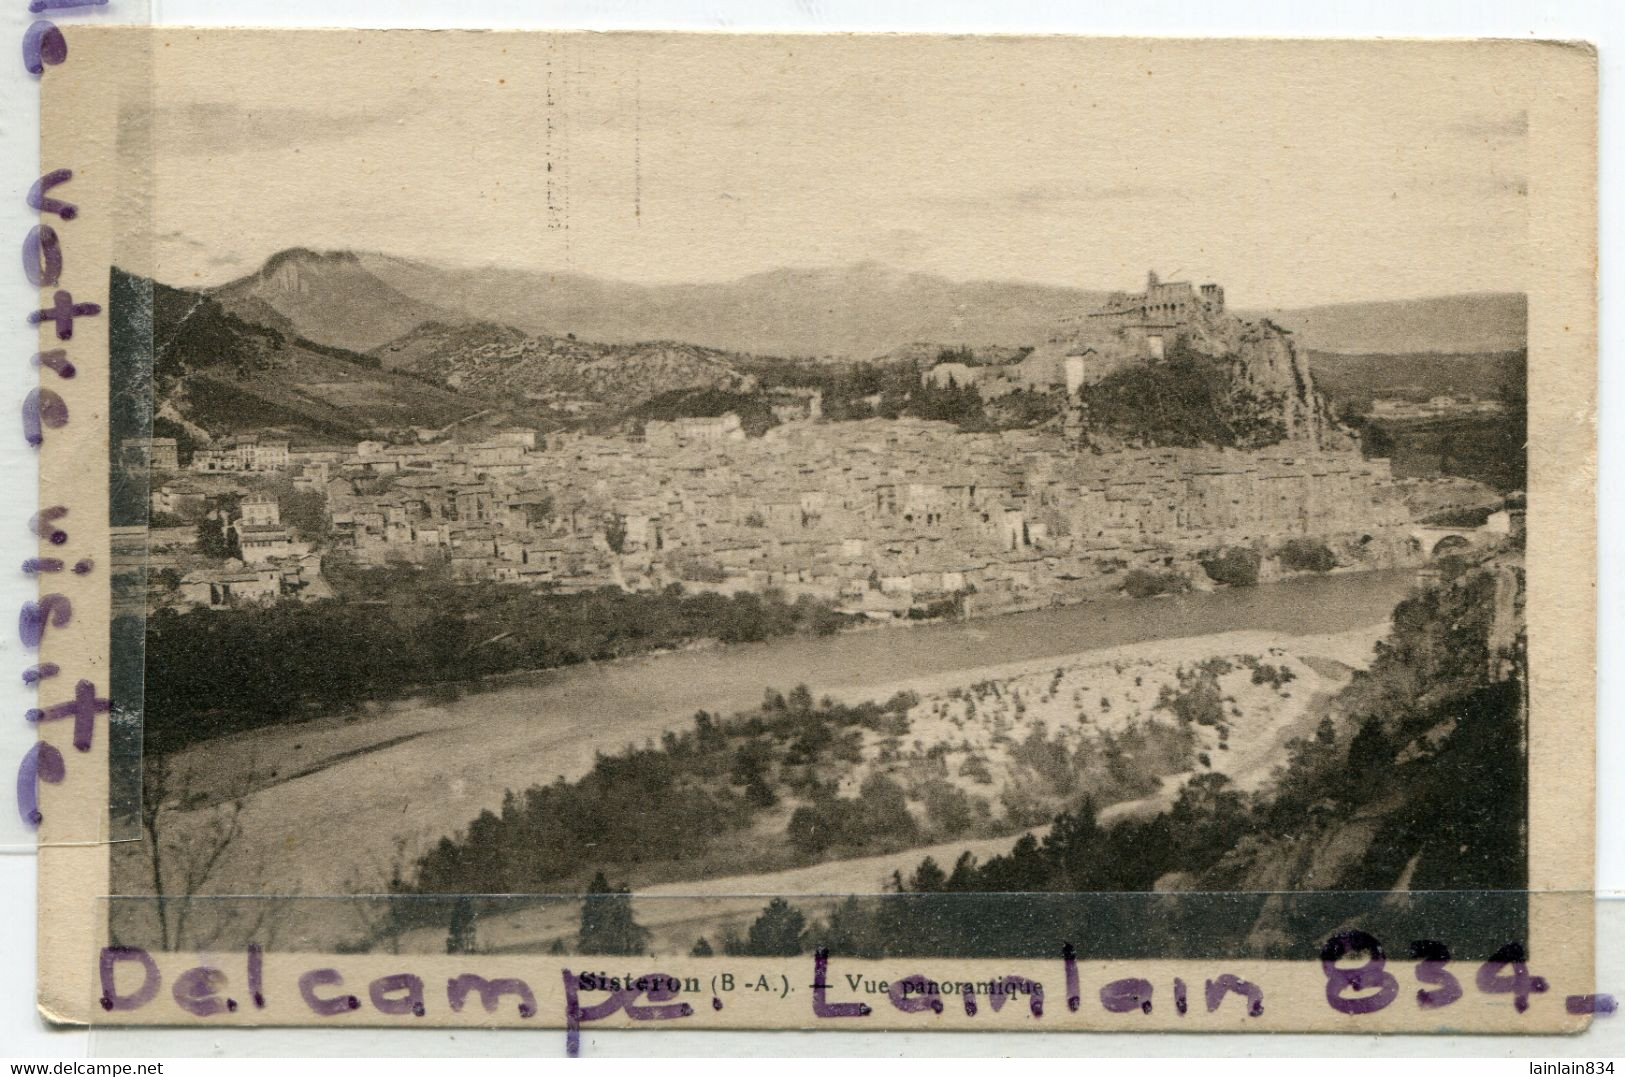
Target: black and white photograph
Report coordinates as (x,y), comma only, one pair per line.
(964,532)
(1036,479)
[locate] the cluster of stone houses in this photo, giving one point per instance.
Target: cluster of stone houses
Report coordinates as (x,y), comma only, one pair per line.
(879,516)
(267,561)
(271,564)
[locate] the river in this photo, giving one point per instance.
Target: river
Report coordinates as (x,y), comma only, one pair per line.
(333,797)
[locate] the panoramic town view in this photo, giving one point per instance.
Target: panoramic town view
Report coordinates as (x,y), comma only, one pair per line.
(858,625)
(1174,604)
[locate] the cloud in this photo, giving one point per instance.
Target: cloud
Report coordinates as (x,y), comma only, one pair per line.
(179,239)
(214,128)
(178,248)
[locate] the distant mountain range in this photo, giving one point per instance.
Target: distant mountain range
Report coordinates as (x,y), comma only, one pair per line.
(361,301)
(859,311)
(1447,324)
(346,344)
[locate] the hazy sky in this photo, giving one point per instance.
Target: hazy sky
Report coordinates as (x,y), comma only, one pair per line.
(1293,173)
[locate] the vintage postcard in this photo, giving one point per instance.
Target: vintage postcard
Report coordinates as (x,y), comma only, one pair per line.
(703,530)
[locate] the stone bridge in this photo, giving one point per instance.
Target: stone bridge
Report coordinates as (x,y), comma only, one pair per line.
(1440,541)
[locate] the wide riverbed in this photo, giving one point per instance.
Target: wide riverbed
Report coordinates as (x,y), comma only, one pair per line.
(345,791)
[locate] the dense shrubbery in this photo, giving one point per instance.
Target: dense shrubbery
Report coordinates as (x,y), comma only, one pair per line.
(219,671)
(1142,584)
(970,911)
(957,404)
(848,388)
(1394,776)
(1234,566)
(1189,398)
(878,818)
(1197,699)
(1274,676)
(1178,401)
(895,388)
(755,416)
(1024,408)
(1475,516)
(1306,555)
(691,790)
(1434,827)
(1485,448)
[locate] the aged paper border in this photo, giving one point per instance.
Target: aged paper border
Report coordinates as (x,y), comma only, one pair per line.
(79,113)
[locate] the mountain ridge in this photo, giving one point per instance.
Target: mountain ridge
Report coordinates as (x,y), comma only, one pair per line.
(327,297)
(344,340)
(215,371)
(858,311)
(1465,323)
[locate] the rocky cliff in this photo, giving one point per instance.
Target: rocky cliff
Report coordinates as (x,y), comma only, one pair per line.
(1418,796)
(1266,367)
(1219,378)
(327,297)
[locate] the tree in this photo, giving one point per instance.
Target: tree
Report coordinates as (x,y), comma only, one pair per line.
(759,793)
(702,948)
(1447,451)
(948,808)
(778,932)
(1306,555)
(884,809)
(1235,566)
(187,840)
(607,925)
(850,930)
(211,538)
(928,878)
(808,832)
(462,934)
(800,701)
(1074,846)
(378,903)
(305,511)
